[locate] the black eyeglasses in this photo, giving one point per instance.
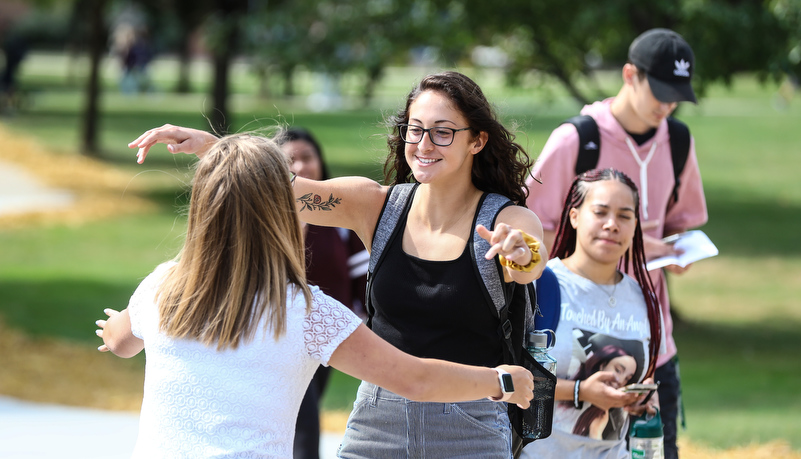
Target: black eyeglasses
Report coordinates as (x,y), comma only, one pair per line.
(440,136)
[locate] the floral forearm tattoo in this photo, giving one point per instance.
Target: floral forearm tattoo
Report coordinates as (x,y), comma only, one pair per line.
(313,201)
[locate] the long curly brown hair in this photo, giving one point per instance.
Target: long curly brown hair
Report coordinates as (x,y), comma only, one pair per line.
(502,165)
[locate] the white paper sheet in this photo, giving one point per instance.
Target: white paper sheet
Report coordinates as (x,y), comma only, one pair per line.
(696,246)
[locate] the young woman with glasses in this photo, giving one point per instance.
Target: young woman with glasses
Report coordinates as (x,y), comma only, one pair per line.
(426,298)
(233,333)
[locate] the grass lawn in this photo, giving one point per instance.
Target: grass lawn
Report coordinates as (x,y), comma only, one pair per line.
(740,313)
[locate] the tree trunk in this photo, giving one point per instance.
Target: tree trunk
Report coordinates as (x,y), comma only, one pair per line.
(219,93)
(289,75)
(233,11)
(373,76)
(97,46)
(184,62)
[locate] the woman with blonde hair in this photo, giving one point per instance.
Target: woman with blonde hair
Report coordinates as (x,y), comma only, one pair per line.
(233,334)
(427,297)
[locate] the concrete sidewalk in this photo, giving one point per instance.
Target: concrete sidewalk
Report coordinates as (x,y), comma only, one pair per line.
(21,192)
(31,430)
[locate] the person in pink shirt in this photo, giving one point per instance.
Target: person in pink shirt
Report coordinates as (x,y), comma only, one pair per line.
(634,138)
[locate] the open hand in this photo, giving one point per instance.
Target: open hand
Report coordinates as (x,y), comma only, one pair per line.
(178,140)
(102,324)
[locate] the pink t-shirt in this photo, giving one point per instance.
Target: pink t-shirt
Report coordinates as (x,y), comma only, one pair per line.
(556,168)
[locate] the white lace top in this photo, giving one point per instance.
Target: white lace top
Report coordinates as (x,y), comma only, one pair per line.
(243,403)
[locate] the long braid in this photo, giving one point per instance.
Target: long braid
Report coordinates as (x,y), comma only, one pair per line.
(565,245)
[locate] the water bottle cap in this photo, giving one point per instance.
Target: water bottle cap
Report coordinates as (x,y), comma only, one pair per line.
(539,338)
(647,427)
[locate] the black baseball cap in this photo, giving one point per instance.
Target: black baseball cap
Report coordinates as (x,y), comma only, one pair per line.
(669,63)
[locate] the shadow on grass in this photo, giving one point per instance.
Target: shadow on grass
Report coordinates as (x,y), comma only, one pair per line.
(740,382)
(61,308)
(753,225)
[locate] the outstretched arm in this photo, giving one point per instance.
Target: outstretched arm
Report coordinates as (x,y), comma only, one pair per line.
(117,335)
(349,202)
(366,356)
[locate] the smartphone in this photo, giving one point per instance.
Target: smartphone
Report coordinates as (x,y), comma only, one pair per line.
(640,388)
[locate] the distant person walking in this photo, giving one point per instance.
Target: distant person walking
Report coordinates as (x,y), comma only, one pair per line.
(635,138)
(135,52)
(15,48)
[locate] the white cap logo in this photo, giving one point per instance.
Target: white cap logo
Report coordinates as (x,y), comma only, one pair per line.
(682,68)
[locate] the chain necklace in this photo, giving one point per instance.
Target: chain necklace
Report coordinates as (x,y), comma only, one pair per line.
(612,301)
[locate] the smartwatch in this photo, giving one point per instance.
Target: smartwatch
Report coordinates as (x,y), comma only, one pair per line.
(507,386)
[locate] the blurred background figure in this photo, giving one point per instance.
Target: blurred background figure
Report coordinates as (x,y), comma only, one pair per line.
(132,47)
(336,261)
(13,49)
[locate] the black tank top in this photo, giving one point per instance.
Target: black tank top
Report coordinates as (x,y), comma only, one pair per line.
(434,309)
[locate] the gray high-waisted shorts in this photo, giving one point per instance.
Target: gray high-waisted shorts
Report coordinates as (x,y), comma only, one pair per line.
(384,425)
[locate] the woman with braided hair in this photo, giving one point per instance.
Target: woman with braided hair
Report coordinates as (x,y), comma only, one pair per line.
(609,333)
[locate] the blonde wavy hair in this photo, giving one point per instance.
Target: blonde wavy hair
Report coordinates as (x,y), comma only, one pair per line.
(243,248)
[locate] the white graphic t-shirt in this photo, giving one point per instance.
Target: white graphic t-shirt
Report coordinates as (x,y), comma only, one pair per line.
(594,336)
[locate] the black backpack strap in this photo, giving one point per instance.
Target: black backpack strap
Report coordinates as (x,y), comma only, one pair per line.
(679,151)
(397,203)
(589,142)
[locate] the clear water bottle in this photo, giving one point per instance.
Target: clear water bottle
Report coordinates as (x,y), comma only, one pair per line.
(646,438)
(537,346)
(538,419)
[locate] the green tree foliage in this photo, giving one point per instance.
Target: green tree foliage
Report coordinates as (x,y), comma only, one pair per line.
(338,36)
(568,40)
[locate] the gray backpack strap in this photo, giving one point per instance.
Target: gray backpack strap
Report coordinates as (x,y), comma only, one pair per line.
(489,270)
(386,228)
(390,214)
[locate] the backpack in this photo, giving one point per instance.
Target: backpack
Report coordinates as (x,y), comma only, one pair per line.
(590,146)
(514,305)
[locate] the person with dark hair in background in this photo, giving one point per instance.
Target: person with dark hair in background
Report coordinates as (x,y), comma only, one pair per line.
(336,261)
(637,137)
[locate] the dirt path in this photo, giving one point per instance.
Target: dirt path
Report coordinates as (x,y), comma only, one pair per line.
(60,372)
(68,188)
